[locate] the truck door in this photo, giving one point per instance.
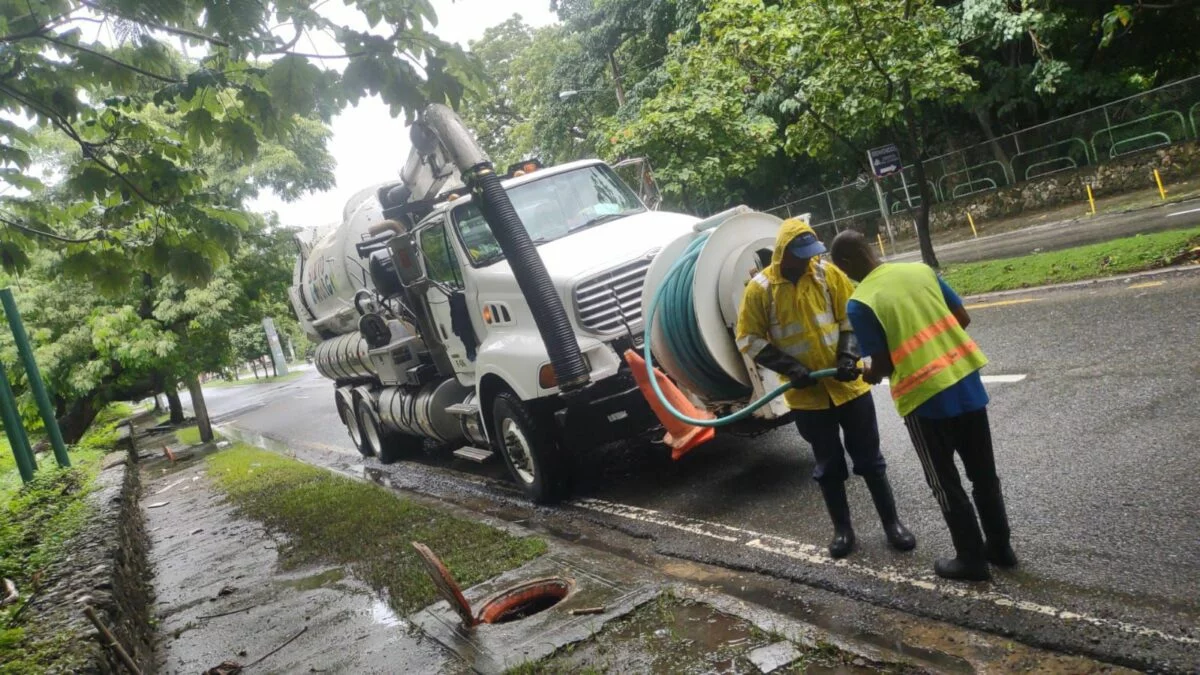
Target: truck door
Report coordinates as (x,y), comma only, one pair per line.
(448,301)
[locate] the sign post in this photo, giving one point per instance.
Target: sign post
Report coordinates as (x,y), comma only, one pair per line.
(885,161)
(276,348)
(34,376)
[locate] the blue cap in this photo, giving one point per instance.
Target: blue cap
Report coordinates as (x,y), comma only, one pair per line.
(806,246)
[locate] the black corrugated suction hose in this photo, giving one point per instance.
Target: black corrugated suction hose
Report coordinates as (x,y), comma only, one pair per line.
(548,311)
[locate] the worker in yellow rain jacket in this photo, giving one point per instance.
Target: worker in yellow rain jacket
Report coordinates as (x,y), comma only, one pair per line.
(793,321)
(911,324)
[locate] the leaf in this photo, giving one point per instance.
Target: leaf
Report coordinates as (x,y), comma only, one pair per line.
(13,258)
(239,139)
(294,84)
(188,267)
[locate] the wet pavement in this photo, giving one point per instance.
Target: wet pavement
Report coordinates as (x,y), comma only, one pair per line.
(221,596)
(1095,445)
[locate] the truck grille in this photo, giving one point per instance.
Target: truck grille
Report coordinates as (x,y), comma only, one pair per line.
(608,302)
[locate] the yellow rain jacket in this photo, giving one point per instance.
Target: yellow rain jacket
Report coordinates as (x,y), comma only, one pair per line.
(802,320)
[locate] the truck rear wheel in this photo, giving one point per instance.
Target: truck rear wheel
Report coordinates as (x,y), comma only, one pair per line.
(378,441)
(350,419)
(529,450)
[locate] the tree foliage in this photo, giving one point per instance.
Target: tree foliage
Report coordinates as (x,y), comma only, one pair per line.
(146,122)
(975,68)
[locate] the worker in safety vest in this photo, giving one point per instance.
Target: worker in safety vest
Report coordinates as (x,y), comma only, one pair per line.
(793,321)
(910,323)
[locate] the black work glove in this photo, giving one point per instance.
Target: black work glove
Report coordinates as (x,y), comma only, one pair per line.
(847,357)
(800,376)
(773,358)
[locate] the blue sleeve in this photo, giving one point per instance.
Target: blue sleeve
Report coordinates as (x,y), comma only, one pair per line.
(871,339)
(952,299)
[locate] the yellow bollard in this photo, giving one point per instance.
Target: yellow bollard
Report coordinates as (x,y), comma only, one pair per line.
(1158,179)
(972,222)
(879,238)
(1091,200)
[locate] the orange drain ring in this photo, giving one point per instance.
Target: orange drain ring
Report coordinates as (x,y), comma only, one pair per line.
(524,600)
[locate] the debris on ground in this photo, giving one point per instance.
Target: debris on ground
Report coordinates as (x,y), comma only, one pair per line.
(775,656)
(672,634)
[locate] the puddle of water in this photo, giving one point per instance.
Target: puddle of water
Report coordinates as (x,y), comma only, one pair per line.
(384,616)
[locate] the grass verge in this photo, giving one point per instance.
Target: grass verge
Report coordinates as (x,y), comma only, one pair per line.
(1110,258)
(330,519)
(37,521)
(188,436)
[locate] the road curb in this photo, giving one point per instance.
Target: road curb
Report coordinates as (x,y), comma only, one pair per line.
(1178,270)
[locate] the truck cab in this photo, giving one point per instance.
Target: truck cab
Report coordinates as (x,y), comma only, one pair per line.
(596,240)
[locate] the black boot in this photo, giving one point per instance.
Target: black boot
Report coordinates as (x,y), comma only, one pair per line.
(969,563)
(897,534)
(834,493)
(994,519)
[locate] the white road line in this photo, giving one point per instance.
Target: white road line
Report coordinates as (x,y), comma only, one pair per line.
(992,379)
(1182,213)
(816,555)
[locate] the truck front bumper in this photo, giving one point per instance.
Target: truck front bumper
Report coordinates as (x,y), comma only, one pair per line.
(607,411)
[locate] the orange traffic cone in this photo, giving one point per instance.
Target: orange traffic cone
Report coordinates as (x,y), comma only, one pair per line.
(681,436)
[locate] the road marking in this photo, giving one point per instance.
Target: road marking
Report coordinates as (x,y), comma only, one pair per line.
(991,379)
(1183,213)
(816,555)
(1148,284)
(1001,303)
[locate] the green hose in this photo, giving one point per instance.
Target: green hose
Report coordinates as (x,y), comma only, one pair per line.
(682,335)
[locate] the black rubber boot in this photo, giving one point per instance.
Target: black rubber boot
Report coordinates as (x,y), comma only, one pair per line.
(994,519)
(898,535)
(969,563)
(839,512)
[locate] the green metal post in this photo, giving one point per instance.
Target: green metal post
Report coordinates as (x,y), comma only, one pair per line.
(35,377)
(13,428)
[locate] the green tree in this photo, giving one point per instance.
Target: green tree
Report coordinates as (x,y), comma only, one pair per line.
(849,72)
(138,186)
(700,132)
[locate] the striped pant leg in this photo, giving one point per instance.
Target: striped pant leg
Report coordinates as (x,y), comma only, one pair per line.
(935,442)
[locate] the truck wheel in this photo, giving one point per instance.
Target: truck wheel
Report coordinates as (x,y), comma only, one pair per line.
(350,418)
(529,450)
(388,446)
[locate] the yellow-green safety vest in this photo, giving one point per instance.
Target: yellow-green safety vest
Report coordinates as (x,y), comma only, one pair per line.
(930,350)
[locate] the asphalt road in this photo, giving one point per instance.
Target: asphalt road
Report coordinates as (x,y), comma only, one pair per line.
(1064,234)
(1096,446)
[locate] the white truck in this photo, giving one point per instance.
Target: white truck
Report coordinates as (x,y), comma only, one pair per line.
(429,328)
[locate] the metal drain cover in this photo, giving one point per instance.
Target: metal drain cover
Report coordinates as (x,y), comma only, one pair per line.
(445,584)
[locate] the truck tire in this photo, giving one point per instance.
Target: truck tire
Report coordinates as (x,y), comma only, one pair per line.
(529,450)
(379,441)
(350,419)
(386,445)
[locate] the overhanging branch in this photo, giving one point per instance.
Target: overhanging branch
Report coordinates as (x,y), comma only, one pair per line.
(49,235)
(106,57)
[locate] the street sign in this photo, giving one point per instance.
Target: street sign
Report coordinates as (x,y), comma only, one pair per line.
(885,160)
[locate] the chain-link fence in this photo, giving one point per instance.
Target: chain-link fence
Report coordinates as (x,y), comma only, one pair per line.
(1153,119)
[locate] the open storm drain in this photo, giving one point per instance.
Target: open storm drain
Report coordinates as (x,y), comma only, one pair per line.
(512,604)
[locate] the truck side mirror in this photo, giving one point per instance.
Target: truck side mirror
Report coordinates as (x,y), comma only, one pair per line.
(410,264)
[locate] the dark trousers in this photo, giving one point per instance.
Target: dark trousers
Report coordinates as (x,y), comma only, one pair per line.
(854,422)
(969,435)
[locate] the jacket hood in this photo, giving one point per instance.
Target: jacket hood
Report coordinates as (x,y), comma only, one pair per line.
(788,230)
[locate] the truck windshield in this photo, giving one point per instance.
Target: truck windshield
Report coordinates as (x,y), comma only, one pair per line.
(551,208)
